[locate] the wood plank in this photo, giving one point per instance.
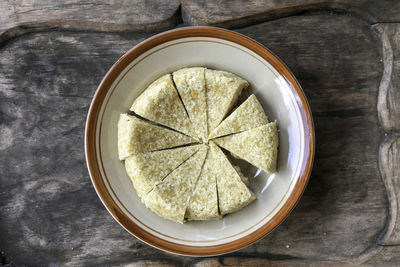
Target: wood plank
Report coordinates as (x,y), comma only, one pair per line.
(239,13)
(330,62)
(50,210)
(20,17)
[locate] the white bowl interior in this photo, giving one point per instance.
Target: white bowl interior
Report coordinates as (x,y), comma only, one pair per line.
(274,94)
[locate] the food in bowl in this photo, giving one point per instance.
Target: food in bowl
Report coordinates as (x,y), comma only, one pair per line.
(170,144)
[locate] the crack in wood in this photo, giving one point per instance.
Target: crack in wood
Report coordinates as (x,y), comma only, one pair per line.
(279,13)
(387,54)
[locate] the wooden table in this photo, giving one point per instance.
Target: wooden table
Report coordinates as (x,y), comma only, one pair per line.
(346,55)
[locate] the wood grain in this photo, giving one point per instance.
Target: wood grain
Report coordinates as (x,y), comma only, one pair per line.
(389,256)
(257,262)
(341,87)
(50,205)
(49,212)
(26,16)
(239,13)
(43,169)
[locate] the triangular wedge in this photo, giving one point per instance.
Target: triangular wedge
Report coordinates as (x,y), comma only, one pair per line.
(223,89)
(258,146)
(204,201)
(136,135)
(170,198)
(233,194)
(149,168)
(190,83)
(247,116)
(160,103)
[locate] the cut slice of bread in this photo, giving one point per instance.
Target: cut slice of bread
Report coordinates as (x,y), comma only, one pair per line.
(148,169)
(204,201)
(247,116)
(160,103)
(258,146)
(170,198)
(190,83)
(233,194)
(136,135)
(223,89)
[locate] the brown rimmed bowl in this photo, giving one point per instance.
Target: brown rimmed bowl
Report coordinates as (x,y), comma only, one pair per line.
(275,87)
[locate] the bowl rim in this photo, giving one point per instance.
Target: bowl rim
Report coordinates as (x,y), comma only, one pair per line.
(91,133)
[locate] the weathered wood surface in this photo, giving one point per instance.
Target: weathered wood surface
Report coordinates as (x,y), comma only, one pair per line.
(20,17)
(341,89)
(389,256)
(49,212)
(238,13)
(25,16)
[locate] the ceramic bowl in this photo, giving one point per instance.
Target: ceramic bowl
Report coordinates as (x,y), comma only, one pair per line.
(275,87)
